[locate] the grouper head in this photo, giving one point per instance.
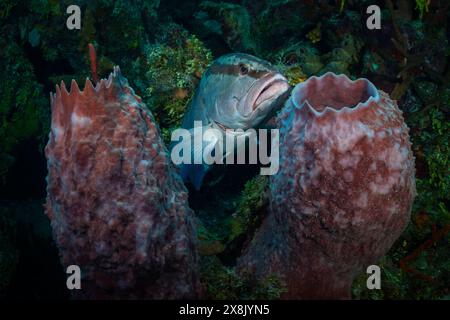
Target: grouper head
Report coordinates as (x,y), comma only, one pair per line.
(238,91)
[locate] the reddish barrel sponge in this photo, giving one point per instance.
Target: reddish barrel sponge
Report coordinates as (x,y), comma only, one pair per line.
(344,190)
(117,206)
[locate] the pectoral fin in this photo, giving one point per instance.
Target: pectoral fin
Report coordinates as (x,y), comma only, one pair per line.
(196,170)
(194,173)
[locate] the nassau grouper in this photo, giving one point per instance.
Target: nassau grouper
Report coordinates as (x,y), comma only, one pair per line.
(238,91)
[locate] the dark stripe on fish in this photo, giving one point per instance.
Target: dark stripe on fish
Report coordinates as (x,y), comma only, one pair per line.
(230,69)
(245,56)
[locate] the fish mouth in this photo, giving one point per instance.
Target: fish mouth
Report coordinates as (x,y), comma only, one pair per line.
(221,125)
(273,87)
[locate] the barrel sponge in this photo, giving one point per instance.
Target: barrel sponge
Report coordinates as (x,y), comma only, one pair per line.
(117,206)
(344,190)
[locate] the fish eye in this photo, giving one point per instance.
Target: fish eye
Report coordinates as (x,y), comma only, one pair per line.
(243,69)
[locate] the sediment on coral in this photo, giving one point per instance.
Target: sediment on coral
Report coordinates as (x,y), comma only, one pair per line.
(117,206)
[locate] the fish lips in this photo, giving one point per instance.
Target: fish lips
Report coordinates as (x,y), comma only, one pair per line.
(259,103)
(268,91)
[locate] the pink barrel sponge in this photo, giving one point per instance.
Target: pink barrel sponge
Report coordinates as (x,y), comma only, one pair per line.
(344,190)
(117,206)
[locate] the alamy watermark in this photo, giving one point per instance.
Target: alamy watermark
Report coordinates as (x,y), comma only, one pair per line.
(232,146)
(73,22)
(374,280)
(74,277)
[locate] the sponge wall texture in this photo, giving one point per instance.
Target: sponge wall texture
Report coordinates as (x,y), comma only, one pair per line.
(117,206)
(344,190)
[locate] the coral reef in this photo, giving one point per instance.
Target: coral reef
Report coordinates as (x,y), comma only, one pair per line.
(305,59)
(276,23)
(173,67)
(164,47)
(23,111)
(222,234)
(315,34)
(254,199)
(421,256)
(38,51)
(221,282)
(117,206)
(233,22)
(422,6)
(294,75)
(299,55)
(343,148)
(341,58)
